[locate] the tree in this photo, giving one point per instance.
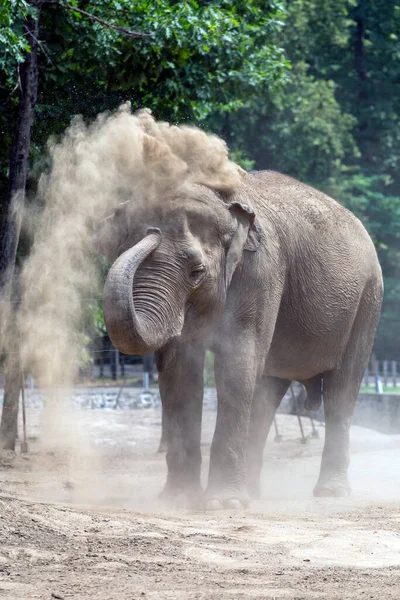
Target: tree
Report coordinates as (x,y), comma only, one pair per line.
(13,208)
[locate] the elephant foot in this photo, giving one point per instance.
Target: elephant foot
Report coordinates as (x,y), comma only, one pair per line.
(182,499)
(162,448)
(254,487)
(229,500)
(334,488)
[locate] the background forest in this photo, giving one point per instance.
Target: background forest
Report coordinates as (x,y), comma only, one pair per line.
(307,87)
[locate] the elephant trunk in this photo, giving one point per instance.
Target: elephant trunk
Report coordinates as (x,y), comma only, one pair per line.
(144,300)
(130,332)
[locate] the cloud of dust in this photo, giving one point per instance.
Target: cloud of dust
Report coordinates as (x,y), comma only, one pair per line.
(122,156)
(118,157)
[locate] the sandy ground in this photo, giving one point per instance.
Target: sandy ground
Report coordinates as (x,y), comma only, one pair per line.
(79,519)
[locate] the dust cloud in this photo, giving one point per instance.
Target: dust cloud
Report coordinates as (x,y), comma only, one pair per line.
(117,158)
(120,157)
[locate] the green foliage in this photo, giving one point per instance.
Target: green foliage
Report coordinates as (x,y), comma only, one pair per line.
(309,113)
(204,56)
(83,356)
(301,130)
(242,159)
(12,41)
(200,57)
(318,32)
(13,46)
(93,318)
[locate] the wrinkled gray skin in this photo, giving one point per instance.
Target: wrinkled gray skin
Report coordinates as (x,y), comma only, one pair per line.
(283,284)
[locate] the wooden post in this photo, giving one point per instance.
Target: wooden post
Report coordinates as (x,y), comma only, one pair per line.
(375,371)
(24,443)
(394,372)
(101,364)
(385,372)
(366,377)
(9,415)
(114,360)
(116,405)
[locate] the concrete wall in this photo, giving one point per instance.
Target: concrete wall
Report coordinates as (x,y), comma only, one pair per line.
(376,411)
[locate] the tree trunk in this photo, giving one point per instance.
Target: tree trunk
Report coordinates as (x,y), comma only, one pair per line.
(9,416)
(11,222)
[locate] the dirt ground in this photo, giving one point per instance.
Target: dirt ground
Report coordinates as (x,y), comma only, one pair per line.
(79,519)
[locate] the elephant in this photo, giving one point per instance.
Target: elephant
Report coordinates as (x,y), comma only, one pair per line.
(282,283)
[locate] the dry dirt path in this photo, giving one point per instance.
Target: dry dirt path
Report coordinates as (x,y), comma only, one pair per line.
(84,524)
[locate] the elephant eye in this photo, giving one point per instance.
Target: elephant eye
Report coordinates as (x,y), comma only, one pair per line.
(196,273)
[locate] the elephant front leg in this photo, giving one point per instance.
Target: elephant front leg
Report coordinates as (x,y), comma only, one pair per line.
(236,375)
(267,397)
(181,388)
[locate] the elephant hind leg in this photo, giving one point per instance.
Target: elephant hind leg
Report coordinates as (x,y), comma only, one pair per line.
(341,388)
(266,399)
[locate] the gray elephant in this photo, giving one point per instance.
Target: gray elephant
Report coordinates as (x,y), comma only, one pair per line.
(282,283)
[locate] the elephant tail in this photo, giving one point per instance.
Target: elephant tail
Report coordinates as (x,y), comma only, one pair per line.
(314,394)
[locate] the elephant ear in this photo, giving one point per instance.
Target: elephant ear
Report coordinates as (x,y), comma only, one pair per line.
(246,237)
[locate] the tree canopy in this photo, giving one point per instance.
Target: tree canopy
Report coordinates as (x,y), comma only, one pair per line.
(197,58)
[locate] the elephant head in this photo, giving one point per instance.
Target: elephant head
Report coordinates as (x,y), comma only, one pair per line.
(176,261)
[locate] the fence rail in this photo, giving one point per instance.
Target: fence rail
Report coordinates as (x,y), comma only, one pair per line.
(112,364)
(109,363)
(387,372)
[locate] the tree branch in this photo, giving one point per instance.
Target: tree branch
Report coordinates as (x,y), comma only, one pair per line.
(122,30)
